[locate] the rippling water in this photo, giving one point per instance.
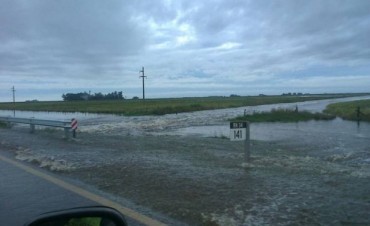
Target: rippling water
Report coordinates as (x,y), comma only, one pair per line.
(332,136)
(339,150)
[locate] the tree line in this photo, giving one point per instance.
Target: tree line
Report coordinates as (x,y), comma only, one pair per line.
(96,96)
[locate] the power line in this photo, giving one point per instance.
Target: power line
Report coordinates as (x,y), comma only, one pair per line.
(143,76)
(13,89)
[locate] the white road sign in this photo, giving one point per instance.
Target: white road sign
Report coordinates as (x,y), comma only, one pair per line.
(238,131)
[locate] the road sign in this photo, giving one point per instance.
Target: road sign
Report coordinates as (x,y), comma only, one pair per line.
(238,131)
(241,131)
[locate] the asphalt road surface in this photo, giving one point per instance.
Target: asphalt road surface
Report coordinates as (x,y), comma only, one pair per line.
(26,192)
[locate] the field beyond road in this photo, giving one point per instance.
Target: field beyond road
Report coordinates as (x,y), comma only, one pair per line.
(352,110)
(283,115)
(161,106)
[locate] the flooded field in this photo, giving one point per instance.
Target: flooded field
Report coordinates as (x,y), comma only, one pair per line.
(183,168)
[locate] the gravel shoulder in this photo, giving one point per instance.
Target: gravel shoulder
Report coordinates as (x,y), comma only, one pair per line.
(203,181)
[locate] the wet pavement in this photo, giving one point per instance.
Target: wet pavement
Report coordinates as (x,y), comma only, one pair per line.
(24,196)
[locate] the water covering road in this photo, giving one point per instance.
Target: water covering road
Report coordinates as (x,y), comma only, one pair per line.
(318,167)
(136,124)
(336,136)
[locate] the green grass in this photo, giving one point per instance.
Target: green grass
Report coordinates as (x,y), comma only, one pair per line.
(160,106)
(283,115)
(348,110)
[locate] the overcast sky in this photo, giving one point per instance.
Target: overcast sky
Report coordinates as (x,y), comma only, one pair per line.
(188,48)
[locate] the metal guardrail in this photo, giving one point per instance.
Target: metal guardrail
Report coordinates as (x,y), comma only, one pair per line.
(32,122)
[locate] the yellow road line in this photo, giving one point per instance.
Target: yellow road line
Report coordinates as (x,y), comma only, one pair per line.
(103,201)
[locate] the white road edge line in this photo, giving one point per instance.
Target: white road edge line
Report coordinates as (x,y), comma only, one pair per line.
(82,192)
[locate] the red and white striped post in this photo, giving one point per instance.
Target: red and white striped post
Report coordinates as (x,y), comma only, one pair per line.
(74,127)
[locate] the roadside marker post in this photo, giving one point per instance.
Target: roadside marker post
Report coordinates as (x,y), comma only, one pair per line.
(74,127)
(240,131)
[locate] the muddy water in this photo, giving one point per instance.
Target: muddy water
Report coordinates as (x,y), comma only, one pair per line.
(332,136)
(306,173)
(322,137)
(337,136)
(137,124)
(327,137)
(211,116)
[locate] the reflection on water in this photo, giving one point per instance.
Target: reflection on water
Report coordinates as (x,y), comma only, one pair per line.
(322,138)
(286,131)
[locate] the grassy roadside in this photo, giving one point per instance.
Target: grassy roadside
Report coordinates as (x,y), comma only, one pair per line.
(283,115)
(348,110)
(161,106)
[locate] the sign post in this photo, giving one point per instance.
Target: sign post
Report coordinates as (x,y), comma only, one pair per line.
(74,127)
(240,131)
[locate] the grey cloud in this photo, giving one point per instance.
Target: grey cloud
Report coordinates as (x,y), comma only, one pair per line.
(325,29)
(13,20)
(101,40)
(90,33)
(90,27)
(159,11)
(282,24)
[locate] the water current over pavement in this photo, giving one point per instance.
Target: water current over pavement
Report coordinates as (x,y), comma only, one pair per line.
(337,135)
(204,123)
(319,167)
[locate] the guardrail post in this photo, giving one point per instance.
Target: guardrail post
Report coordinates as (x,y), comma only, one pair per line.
(74,127)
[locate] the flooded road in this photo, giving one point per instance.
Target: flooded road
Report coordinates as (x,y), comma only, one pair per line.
(183,165)
(329,137)
(338,134)
(108,123)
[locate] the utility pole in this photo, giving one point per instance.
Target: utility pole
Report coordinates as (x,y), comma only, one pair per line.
(13,90)
(143,76)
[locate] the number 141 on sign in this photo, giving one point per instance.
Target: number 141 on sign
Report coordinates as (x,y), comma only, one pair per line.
(238,134)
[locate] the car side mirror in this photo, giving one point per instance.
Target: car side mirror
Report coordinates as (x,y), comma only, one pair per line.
(85,216)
